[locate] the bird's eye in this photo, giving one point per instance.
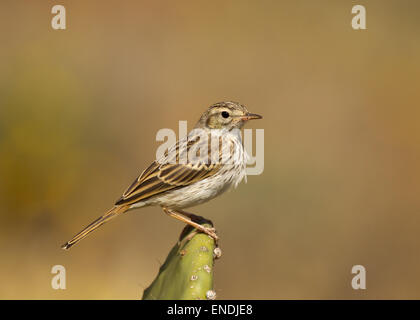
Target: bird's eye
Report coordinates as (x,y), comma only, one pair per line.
(225,114)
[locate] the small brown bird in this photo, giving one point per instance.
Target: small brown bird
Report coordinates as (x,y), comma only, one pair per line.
(199,167)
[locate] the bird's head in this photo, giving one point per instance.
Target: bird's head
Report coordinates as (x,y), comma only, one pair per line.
(226,115)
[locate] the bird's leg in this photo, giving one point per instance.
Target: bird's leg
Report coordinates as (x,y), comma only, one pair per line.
(200,220)
(188,219)
(194,217)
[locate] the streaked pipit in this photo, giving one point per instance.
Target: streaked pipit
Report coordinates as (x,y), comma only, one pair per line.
(199,167)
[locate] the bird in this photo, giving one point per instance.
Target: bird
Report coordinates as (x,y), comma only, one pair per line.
(205,163)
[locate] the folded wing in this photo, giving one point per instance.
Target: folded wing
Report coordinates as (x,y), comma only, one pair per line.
(168,174)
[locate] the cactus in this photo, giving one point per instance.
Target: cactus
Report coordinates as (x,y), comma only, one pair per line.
(187,273)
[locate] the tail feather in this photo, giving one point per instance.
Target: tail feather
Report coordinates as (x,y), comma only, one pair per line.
(115,211)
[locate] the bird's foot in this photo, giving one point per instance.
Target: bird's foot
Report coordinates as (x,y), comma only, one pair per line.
(211,232)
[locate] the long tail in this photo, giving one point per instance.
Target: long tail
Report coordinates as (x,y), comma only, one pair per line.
(115,211)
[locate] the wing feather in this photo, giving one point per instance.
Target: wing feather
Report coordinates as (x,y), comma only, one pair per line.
(162,176)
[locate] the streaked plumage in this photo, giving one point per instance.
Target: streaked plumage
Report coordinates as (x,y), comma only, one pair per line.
(206,163)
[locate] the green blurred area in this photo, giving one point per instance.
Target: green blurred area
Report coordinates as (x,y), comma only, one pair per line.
(80,108)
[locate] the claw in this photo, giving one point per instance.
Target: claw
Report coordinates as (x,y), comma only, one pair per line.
(211,232)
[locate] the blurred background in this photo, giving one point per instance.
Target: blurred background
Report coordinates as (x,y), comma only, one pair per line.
(80,109)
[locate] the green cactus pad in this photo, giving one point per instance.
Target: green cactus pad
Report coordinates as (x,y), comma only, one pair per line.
(187,273)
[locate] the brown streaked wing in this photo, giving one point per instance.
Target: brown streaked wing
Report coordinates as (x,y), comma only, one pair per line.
(160,178)
(147,173)
(169,177)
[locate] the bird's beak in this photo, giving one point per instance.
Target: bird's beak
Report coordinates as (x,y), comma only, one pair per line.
(251,116)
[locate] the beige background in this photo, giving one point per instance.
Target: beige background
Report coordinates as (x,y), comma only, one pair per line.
(80,108)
